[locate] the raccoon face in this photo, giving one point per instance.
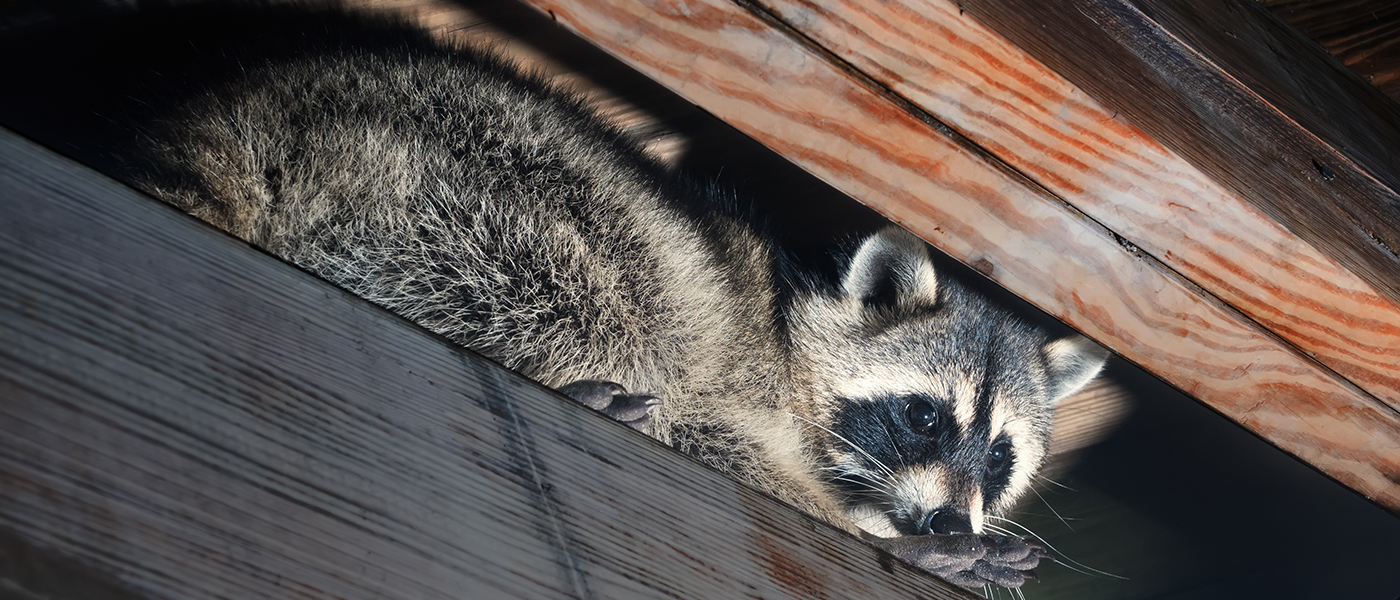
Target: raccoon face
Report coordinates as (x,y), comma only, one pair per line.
(932,407)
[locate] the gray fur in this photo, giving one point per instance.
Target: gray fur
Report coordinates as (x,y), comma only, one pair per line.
(502,214)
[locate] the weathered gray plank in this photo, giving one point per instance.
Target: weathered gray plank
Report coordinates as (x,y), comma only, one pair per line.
(182,416)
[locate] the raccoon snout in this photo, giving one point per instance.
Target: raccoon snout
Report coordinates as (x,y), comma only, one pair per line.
(945,521)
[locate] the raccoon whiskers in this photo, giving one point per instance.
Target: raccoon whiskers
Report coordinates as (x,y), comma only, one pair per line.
(991,592)
(886,469)
(876,491)
(881,489)
(1000,530)
(1052,509)
(987,591)
(1060,558)
(1052,482)
(894,446)
(863,479)
(996,591)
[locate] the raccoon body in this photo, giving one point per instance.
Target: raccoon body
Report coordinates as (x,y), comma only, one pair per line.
(502,213)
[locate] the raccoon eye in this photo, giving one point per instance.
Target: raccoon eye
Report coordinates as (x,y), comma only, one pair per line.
(922,418)
(998,458)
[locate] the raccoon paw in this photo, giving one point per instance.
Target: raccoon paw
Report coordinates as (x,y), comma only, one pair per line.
(1022,554)
(1009,561)
(613,400)
(970,560)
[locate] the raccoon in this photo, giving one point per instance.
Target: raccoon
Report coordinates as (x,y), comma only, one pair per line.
(501,212)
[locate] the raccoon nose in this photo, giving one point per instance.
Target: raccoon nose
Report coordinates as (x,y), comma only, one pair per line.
(948,521)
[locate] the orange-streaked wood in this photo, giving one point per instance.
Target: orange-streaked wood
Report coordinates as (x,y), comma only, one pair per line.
(1025,114)
(1246,99)
(799,103)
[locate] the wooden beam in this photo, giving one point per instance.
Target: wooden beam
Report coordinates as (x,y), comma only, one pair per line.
(182,416)
(975,81)
(838,122)
(1246,99)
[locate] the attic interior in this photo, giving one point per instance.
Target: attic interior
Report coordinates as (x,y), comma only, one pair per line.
(1152,494)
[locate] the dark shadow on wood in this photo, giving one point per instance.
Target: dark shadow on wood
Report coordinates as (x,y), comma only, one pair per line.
(1363,34)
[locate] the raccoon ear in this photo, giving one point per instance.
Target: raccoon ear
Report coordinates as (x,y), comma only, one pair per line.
(891,267)
(1073,362)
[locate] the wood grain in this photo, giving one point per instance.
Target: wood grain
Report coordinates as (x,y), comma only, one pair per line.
(798,102)
(975,81)
(182,416)
(1363,34)
(1244,98)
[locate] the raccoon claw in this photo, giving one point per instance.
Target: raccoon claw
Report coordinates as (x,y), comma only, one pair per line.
(998,575)
(1018,553)
(613,400)
(633,410)
(1009,560)
(970,560)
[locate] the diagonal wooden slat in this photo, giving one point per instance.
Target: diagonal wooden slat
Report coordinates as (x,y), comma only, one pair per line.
(975,81)
(1243,97)
(791,95)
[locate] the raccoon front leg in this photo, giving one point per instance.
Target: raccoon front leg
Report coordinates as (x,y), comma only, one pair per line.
(969,560)
(611,399)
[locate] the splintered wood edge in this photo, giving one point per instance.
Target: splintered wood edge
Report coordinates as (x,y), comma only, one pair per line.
(182,416)
(796,100)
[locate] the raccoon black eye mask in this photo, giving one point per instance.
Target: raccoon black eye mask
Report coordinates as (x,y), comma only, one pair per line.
(504,214)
